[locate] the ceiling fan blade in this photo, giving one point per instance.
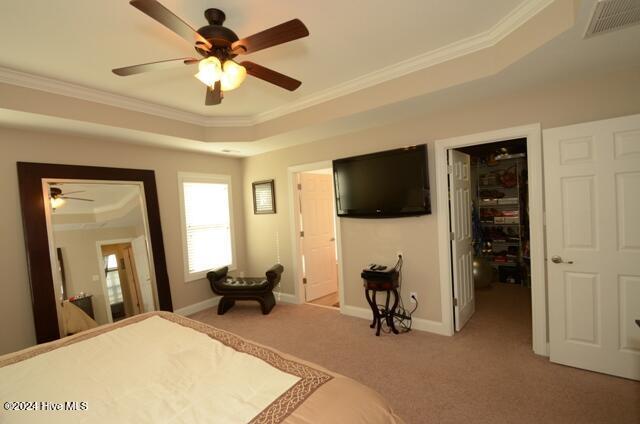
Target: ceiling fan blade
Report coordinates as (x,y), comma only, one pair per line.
(271,76)
(75,198)
(283,33)
(154,66)
(73,192)
(214,97)
(167,18)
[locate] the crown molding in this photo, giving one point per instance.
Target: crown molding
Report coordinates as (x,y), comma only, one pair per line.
(517,17)
(64,88)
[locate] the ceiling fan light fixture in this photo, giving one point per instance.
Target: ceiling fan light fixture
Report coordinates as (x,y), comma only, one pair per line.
(218,44)
(57,202)
(209,71)
(233,75)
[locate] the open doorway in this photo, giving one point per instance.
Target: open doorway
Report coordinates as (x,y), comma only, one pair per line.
(455,236)
(316,237)
(490,247)
(125,278)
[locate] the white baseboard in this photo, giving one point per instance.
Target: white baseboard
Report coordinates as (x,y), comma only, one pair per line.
(416,324)
(286,298)
(197,307)
(356,311)
(213,301)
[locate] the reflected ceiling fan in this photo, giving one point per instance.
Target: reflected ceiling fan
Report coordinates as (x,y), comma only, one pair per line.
(218,46)
(58,197)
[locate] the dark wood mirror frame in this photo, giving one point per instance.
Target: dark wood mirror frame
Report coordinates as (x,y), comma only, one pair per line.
(34,222)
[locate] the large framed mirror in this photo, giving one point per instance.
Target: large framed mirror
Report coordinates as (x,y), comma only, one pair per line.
(94,244)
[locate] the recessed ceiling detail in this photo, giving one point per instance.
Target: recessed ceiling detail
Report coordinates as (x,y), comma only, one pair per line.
(329,69)
(437,61)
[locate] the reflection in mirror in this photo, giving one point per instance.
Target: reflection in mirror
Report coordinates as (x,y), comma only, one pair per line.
(103,273)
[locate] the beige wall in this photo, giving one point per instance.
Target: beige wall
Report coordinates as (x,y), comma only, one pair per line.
(365,241)
(16,319)
(81,263)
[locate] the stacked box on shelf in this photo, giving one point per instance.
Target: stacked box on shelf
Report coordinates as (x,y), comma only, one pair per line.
(501,206)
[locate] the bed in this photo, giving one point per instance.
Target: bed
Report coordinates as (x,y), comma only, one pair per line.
(160,367)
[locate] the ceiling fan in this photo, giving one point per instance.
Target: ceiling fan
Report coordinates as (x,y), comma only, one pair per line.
(58,197)
(218,46)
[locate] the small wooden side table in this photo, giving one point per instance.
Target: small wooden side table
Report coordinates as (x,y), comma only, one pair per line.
(388,283)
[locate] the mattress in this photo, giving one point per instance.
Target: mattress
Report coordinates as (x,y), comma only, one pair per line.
(164,368)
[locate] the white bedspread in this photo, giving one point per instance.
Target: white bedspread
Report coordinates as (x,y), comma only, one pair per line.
(153,371)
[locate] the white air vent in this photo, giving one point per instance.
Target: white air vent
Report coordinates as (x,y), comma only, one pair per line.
(610,15)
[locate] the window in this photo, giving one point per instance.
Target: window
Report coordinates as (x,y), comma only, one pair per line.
(207,227)
(113,279)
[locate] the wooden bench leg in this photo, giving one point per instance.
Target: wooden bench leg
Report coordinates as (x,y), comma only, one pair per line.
(225,304)
(267,302)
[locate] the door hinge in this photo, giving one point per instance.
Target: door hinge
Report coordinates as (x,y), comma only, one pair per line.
(304,281)
(455,302)
(299,186)
(452,235)
(301,233)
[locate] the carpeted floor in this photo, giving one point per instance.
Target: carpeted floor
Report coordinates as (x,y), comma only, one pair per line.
(485,374)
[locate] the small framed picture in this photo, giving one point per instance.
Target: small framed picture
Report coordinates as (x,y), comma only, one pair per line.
(264,197)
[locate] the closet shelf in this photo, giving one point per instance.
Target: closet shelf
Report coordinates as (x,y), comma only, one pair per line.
(510,236)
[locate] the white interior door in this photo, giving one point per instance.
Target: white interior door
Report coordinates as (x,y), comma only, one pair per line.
(141,258)
(461,240)
(318,242)
(592,186)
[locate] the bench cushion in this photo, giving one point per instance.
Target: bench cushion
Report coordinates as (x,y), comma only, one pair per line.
(243,284)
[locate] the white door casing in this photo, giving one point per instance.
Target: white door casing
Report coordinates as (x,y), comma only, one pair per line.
(461,242)
(592,188)
(141,257)
(318,242)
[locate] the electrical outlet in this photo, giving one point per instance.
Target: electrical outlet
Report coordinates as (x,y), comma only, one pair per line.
(413,297)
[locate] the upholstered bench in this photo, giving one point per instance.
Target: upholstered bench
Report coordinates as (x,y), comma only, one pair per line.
(252,288)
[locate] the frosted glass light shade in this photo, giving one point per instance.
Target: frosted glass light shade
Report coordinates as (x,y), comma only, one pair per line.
(57,202)
(232,76)
(209,71)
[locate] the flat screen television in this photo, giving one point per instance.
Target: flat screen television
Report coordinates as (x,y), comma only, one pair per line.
(387,184)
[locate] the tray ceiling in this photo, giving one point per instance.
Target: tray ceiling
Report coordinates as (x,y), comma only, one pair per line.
(80,41)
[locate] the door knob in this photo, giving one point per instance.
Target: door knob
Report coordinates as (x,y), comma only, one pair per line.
(558,260)
(332,239)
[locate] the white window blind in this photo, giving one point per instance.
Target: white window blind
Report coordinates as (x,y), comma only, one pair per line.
(114,289)
(207,221)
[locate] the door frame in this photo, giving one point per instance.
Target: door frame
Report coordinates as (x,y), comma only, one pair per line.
(533,134)
(298,286)
(103,278)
